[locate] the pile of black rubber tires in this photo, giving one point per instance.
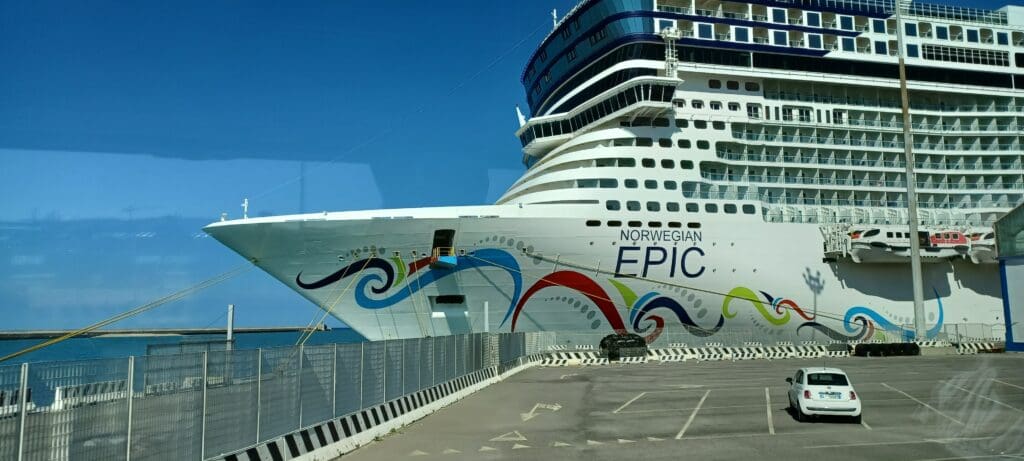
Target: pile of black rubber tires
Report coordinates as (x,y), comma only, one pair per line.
(616,346)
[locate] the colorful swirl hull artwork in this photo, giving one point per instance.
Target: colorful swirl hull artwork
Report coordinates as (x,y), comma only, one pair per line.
(379,285)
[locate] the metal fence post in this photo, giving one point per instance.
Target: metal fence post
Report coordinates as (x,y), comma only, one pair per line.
(22,409)
(259,390)
(334,383)
(128,395)
(362,377)
(298,389)
(402,367)
(202,442)
(384,380)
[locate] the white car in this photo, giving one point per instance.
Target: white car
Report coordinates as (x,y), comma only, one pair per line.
(823,391)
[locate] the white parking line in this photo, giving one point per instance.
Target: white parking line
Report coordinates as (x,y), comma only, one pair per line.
(865,424)
(1008,384)
(925,404)
(989,399)
(768,407)
(692,415)
(1003,456)
(909,442)
(629,402)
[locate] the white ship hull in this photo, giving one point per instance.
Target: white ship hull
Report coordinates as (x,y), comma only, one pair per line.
(543,268)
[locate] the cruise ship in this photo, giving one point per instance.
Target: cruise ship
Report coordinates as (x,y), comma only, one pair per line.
(706,171)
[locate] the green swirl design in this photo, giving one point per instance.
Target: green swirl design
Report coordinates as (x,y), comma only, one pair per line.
(746,294)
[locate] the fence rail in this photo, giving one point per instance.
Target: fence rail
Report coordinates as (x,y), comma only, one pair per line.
(199,405)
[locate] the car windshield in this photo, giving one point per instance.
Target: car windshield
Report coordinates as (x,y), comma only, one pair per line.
(826,379)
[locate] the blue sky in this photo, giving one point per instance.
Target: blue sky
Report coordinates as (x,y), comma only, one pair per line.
(124,127)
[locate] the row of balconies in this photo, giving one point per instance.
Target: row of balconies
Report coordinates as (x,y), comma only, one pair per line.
(765,178)
(986,107)
(961,164)
(872,143)
(784,197)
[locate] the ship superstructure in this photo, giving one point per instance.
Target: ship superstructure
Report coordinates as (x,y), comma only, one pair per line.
(700,167)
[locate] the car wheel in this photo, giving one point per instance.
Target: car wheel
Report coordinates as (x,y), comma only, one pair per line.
(800,416)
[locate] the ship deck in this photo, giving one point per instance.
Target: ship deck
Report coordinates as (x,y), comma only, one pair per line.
(922,408)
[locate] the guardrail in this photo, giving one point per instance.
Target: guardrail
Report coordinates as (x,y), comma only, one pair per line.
(198,406)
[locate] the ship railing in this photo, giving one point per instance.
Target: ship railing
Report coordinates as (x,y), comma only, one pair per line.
(674,9)
(890,103)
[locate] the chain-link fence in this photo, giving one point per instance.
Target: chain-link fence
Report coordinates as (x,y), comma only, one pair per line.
(199,405)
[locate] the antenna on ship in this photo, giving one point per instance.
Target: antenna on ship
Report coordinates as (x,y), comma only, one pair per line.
(554,19)
(245,208)
(670,35)
(522,118)
(908,143)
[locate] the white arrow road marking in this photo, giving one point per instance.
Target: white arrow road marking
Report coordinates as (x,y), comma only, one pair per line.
(654,439)
(533,411)
(518,446)
(486,448)
(626,441)
(513,436)
(418,453)
(594,442)
(560,444)
(450,451)
(568,375)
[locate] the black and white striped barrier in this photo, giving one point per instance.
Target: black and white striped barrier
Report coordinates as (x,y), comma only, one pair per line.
(338,436)
(72,396)
(558,359)
(934,344)
(633,359)
(974,348)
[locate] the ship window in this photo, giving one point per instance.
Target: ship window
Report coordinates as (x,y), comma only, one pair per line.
(682,123)
(571,55)
(942,33)
(705,31)
(612,205)
(813,19)
(718,125)
(668,163)
(644,142)
(630,183)
(598,36)
(751,86)
(711,208)
(729,208)
(749,209)
(697,104)
(846,22)
(780,38)
(741,34)
(692,207)
(881,47)
(653,206)
(814,41)
(593,223)
(614,223)
(714,84)
(671,206)
(605,162)
(912,51)
(732,85)
(650,184)
(647,162)
(669,185)
(665,142)
(1002,38)
(660,121)
(627,162)
(704,145)
(972,35)
(871,233)
(686,164)
(734,106)
(608,183)
(693,225)
(849,44)
(675,224)
(716,105)
(700,124)
(633,205)
(543,56)
(779,15)
(635,224)
(878,26)
(911,29)
(683,143)
(654,224)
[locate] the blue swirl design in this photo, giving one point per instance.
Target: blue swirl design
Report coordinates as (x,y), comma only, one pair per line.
(361,265)
(664,302)
(885,324)
(865,329)
(480,258)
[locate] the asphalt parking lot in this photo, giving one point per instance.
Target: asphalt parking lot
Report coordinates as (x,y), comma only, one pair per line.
(915,408)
